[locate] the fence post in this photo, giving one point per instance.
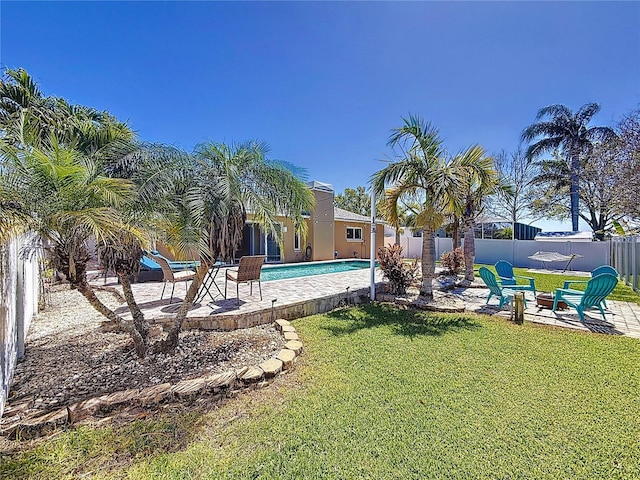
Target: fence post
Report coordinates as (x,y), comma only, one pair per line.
(634,263)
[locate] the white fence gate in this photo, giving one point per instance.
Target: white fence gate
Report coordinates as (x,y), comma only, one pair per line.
(625,257)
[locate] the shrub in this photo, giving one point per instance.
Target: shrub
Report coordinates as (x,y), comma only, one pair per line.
(453,261)
(399,273)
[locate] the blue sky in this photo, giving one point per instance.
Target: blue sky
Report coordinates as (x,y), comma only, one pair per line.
(324,83)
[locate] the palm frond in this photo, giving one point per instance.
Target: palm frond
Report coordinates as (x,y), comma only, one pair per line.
(555,111)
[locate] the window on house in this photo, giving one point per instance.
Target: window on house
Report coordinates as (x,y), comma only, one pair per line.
(296,241)
(354,233)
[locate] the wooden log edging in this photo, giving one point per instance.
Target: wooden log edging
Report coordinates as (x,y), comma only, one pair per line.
(216,387)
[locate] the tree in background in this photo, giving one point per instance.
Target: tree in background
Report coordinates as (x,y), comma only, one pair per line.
(359,201)
(609,178)
(354,200)
(421,175)
(569,134)
(627,154)
(516,170)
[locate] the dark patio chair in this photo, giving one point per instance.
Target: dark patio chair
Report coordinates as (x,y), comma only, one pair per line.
(248,271)
(173,276)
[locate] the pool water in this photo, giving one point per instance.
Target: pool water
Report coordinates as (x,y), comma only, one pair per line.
(280,272)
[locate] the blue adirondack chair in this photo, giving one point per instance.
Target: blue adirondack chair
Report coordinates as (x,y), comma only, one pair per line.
(508,279)
(598,271)
(597,289)
(504,294)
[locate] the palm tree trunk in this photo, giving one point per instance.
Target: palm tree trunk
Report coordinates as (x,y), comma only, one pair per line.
(428,263)
(469,250)
(139,322)
(575,190)
(171,342)
(84,288)
(455,232)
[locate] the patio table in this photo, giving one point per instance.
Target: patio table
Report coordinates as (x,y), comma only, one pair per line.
(209,281)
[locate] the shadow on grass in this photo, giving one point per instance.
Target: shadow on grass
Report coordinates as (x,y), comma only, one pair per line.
(88,449)
(411,323)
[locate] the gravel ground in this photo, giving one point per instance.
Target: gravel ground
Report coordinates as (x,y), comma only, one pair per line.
(69,358)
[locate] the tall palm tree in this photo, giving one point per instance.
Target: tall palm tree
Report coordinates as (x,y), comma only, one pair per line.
(570,133)
(481,180)
(424,176)
(26,112)
(227,182)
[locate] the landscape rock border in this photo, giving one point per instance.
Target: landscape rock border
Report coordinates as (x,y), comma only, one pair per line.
(215,387)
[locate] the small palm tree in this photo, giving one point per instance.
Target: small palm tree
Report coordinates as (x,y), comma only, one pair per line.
(481,180)
(226,182)
(121,253)
(569,133)
(55,182)
(69,200)
(424,176)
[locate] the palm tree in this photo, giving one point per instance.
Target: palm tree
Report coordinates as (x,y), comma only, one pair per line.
(69,200)
(121,253)
(227,182)
(481,181)
(569,133)
(55,182)
(421,175)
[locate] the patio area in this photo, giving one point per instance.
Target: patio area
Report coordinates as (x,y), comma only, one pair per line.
(299,297)
(287,299)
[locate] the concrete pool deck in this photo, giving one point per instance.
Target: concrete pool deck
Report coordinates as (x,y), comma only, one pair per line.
(298,297)
(289,299)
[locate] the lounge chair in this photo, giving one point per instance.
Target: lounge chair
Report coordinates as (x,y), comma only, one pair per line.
(505,294)
(248,271)
(173,276)
(508,279)
(598,271)
(177,265)
(597,290)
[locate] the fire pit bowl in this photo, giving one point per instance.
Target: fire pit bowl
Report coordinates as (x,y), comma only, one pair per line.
(545,300)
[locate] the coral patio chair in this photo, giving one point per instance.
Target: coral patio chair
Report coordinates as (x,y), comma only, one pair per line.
(248,271)
(508,279)
(172,276)
(597,290)
(598,271)
(504,294)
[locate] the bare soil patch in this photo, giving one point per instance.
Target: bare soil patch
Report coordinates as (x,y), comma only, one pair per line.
(69,357)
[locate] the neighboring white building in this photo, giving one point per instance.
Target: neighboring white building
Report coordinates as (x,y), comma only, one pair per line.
(564,236)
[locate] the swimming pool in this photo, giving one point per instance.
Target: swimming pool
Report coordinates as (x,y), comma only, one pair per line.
(280,272)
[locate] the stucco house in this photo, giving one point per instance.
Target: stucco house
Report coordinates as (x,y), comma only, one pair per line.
(332,233)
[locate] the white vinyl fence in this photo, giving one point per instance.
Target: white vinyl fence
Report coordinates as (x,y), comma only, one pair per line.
(625,257)
(19,295)
(517,252)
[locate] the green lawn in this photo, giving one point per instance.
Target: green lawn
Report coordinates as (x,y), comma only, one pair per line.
(383,393)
